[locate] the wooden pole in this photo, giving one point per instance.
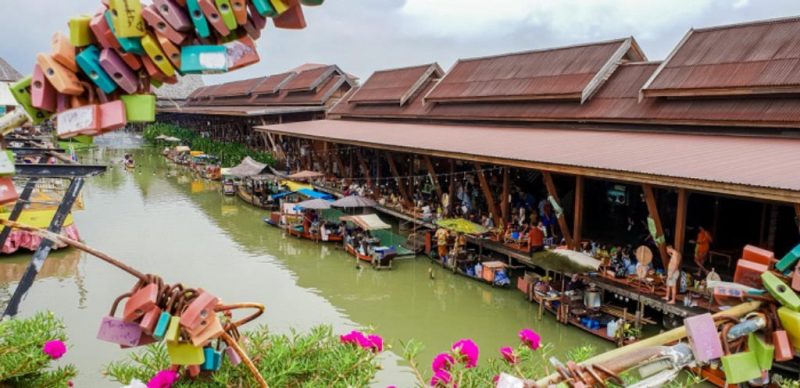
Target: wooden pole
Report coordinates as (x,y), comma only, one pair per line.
(487,193)
(364,167)
(562,222)
(504,211)
(680,220)
(577,224)
(339,163)
(400,185)
(652,210)
(452,190)
(436,184)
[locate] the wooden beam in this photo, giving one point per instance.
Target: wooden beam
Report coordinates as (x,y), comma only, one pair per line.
(577,224)
(364,167)
(451,191)
(427,160)
(487,193)
(400,185)
(562,222)
(504,200)
(680,220)
(652,210)
(797,209)
(339,163)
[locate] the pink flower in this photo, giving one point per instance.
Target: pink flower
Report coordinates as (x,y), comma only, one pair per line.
(530,338)
(468,351)
(55,349)
(377,342)
(163,379)
(442,361)
(496,378)
(508,354)
(441,377)
(372,342)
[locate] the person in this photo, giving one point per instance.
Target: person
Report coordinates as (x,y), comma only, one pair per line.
(575,283)
(461,243)
(702,247)
(441,244)
(536,238)
(673,273)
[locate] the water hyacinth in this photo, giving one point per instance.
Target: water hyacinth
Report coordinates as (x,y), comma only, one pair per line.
(442,361)
(508,354)
(372,342)
(55,349)
(530,338)
(468,352)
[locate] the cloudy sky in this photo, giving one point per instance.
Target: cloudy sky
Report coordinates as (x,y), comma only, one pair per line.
(365,35)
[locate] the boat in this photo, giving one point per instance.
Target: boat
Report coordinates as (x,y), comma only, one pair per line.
(229,187)
(492,272)
(300,219)
(368,247)
(38,213)
(179,155)
(206,166)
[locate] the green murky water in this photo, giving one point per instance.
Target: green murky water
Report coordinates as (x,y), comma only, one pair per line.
(161,220)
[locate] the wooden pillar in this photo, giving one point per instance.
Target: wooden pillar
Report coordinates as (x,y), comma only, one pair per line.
(487,193)
(652,210)
(680,220)
(400,185)
(504,200)
(577,224)
(427,160)
(338,159)
(364,167)
(773,226)
(797,209)
(562,222)
(452,190)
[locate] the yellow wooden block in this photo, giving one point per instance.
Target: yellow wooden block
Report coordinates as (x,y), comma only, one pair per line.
(154,51)
(80,34)
(183,353)
(173,330)
(279,6)
(127,18)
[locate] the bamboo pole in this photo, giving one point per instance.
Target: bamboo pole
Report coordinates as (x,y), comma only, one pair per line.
(659,340)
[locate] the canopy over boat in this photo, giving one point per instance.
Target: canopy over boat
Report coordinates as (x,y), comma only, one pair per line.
(305,175)
(315,194)
(314,204)
(296,186)
(353,201)
(565,261)
(461,225)
(182,149)
(248,167)
(172,139)
(367,221)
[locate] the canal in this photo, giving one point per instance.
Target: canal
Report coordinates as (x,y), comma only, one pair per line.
(161,220)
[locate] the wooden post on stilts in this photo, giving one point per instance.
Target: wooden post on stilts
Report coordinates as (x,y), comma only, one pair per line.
(577,224)
(436,184)
(680,220)
(504,211)
(562,222)
(652,209)
(487,193)
(400,185)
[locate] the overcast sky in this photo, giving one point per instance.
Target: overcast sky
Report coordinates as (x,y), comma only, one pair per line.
(366,35)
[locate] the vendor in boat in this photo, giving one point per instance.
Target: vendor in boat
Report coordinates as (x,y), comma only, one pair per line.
(441,244)
(536,238)
(575,283)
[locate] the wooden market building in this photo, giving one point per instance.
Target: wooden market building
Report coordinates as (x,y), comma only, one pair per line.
(709,136)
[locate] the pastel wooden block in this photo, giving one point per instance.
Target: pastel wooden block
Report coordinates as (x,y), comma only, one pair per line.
(181,353)
(127,18)
(80,34)
(704,340)
(172,51)
(312,3)
(62,102)
(129,45)
(8,193)
(199,312)
(112,117)
(89,62)
(790,320)
(780,291)
(59,76)
(759,255)
(279,6)
(255,16)
(140,108)
(239,11)
(198,19)
(21,90)
(789,260)
(796,278)
(119,332)
(293,18)
(43,94)
(241,52)
(119,71)
(78,101)
(156,54)
(102,32)
(213,16)
(749,273)
(76,121)
(264,8)
(251,30)
(132,60)
(157,23)
(174,14)
(63,51)
(155,74)
(202,59)
(226,12)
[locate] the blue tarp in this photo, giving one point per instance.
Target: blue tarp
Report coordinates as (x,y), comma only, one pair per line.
(282,194)
(314,194)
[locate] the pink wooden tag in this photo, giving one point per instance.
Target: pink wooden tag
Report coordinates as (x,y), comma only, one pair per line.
(43,94)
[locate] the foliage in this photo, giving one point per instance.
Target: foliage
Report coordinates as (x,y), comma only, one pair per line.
(22,361)
(229,154)
(315,359)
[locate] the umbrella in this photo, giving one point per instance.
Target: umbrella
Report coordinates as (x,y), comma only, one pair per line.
(367,222)
(305,174)
(353,201)
(182,149)
(314,204)
(172,139)
(565,261)
(461,225)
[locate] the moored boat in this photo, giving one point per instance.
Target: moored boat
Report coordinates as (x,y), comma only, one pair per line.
(363,245)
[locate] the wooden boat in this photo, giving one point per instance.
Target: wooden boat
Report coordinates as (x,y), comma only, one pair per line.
(490,272)
(228,187)
(38,214)
(299,231)
(251,199)
(373,252)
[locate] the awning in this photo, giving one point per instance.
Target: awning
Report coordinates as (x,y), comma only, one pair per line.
(295,186)
(367,221)
(314,204)
(754,167)
(182,149)
(242,111)
(305,174)
(248,167)
(282,194)
(315,194)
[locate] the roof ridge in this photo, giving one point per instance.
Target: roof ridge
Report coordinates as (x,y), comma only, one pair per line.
(403,68)
(778,20)
(543,50)
(642,63)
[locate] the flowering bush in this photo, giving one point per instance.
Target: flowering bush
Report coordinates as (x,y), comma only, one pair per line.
(27,348)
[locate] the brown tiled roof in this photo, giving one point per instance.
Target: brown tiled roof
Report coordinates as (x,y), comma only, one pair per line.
(573,73)
(273,83)
(237,88)
(309,79)
(746,162)
(751,58)
(394,86)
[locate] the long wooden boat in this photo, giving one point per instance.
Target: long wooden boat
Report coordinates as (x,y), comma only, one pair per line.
(385,261)
(461,272)
(251,199)
(293,230)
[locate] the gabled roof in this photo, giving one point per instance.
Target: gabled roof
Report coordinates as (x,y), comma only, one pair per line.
(742,59)
(395,86)
(564,73)
(309,80)
(237,88)
(8,72)
(273,83)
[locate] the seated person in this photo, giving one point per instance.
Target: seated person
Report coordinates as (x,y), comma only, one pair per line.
(536,238)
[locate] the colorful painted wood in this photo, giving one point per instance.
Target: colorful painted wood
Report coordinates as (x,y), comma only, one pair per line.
(89,62)
(119,71)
